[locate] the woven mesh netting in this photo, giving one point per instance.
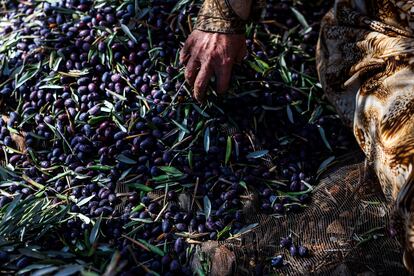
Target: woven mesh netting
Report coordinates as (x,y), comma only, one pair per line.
(345,227)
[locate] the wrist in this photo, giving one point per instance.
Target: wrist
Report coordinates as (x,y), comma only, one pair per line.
(223,16)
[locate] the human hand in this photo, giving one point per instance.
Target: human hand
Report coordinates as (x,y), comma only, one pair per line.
(205,54)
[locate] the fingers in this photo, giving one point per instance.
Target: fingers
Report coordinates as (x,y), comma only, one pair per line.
(185,52)
(191,70)
(223,75)
(202,81)
(205,54)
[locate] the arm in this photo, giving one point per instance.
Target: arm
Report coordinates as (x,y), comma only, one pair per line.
(216,44)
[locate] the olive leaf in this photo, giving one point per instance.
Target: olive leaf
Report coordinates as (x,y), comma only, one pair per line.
(125,159)
(207,206)
(207,139)
(257,154)
(228,150)
(95,231)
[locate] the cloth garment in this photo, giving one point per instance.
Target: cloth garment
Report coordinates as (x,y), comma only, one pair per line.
(365,63)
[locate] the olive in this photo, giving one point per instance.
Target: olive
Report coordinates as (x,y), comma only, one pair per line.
(166,226)
(179,245)
(286,242)
(4,257)
(293,250)
(165,260)
(22,262)
(174,265)
(303,251)
(277,261)
(181,227)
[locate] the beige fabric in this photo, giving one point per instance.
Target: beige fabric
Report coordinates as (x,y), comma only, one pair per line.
(365,67)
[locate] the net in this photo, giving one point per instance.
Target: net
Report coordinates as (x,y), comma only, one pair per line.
(346,227)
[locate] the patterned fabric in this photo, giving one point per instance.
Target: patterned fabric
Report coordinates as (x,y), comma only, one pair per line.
(365,63)
(227,16)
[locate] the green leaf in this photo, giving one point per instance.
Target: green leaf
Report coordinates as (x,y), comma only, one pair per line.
(207,139)
(263,65)
(124,159)
(57,63)
(228,150)
(141,187)
(300,18)
(28,75)
(202,112)
(124,174)
(224,232)
(323,136)
(84,218)
(290,114)
(247,228)
(161,178)
(243,184)
(207,207)
(95,231)
(315,114)
(153,248)
(255,67)
(45,271)
(257,154)
(59,176)
(284,71)
(180,126)
(32,267)
(51,86)
(325,164)
(200,272)
(120,97)
(190,159)
(141,220)
(11,207)
(171,170)
(97,119)
(99,168)
(33,183)
(127,31)
(69,270)
(32,253)
(85,200)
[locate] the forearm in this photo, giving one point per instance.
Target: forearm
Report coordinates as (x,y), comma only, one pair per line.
(227,16)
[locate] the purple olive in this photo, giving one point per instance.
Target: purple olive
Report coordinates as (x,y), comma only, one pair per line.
(286,242)
(303,251)
(4,257)
(179,245)
(293,250)
(277,261)
(181,227)
(174,265)
(166,226)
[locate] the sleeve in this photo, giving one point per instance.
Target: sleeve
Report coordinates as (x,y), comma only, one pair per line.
(228,16)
